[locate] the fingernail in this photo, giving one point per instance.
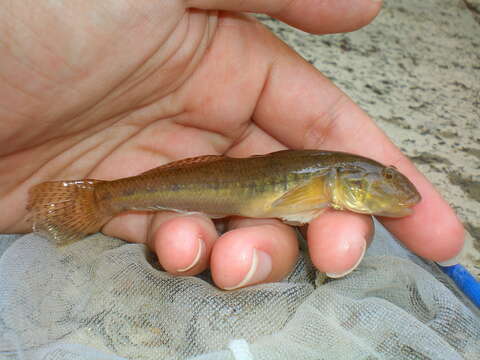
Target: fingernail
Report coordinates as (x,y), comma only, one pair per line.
(342,274)
(198,256)
(455,260)
(259,270)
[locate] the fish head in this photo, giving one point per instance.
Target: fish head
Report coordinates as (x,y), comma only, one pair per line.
(372,188)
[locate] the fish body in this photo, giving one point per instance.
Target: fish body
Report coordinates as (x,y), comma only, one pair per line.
(292,185)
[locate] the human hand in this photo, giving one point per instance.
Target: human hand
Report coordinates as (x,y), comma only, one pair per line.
(110,89)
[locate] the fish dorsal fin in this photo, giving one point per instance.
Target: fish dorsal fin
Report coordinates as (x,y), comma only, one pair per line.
(313,194)
(185,162)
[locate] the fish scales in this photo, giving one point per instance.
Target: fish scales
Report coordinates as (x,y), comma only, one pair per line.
(219,186)
(292,185)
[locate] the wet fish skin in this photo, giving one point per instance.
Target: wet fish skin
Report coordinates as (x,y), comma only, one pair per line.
(293,185)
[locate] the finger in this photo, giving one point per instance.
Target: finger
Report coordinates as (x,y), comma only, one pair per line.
(327,16)
(254,141)
(338,241)
(302,109)
(433,231)
(254,251)
(182,243)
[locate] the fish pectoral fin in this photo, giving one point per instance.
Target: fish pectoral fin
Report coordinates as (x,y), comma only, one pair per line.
(310,195)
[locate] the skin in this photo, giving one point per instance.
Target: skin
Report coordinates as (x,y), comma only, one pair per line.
(110,89)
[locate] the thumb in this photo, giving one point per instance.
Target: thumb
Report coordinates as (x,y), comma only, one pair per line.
(320,17)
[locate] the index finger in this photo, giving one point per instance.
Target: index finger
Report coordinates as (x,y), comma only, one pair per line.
(303,109)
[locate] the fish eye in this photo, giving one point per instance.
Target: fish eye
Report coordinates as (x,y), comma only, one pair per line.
(357,183)
(388,172)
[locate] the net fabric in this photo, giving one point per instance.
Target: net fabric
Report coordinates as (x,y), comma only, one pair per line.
(102,298)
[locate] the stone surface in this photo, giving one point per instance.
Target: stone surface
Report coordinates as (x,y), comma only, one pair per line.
(474,7)
(416,71)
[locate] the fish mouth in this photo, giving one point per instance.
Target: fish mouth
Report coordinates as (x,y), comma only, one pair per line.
(404,211)
(404,207)
(411,201)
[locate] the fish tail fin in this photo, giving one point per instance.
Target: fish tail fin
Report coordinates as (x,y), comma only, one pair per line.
(66,211)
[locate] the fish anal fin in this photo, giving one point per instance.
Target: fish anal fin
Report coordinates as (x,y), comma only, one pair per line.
(310,195)
(181,212)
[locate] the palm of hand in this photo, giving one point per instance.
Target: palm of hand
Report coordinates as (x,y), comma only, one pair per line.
(123,88)
(159,99)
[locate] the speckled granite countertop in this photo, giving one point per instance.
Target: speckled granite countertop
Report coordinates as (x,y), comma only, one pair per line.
(474,7)
(416,71)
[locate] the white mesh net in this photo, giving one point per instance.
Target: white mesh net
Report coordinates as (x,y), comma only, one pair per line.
(102,298)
